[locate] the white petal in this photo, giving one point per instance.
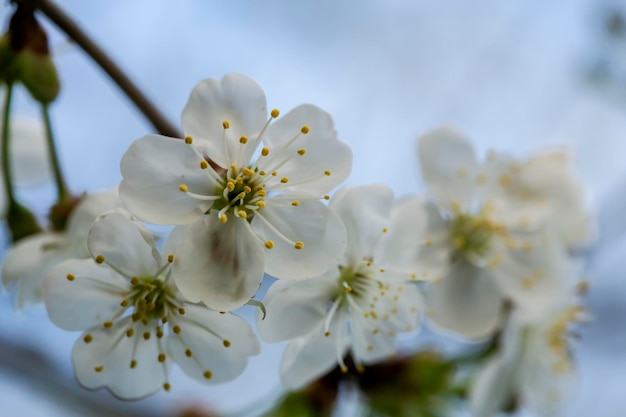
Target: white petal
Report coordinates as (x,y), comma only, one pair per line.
(313,224)
(153,168)
(296,308)
(449,167)
(114,351)
(92,297)
(29,150)
(218,264)
(418,240)
(492,388)
(218,343)
(86,212)
(324,152)
(312,356)
(235,98)
(466,301)
(126,245)
(28,262)
(365,213)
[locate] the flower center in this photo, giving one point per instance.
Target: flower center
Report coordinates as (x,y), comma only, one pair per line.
(241,193)
(471,235)
(149,297)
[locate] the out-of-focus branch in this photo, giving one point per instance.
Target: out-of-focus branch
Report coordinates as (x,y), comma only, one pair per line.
(44,379)
(78,36)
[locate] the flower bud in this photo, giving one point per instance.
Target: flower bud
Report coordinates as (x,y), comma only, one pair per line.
(25,57)
(22,222)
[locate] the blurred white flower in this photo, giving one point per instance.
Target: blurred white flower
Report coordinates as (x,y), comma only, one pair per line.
(357,307)
(28,262)
(136,322)
(250,211)
(494,230)
(533,365)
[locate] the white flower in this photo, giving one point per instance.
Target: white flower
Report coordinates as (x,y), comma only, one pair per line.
(136,323)
(28,262)
(533,366)
(250,211)
(494,228)
(357,307)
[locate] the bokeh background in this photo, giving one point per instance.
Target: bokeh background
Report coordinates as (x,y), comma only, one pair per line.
(515,76)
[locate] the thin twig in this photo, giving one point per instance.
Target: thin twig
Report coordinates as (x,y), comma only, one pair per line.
(78,36)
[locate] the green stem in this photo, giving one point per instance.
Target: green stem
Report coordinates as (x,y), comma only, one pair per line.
(6,160)
(62,193)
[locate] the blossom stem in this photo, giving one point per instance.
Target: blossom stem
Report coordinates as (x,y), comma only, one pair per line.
(62,194)
(6,159)
(78,36)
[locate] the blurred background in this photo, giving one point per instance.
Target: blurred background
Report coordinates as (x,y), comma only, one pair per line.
(515,76)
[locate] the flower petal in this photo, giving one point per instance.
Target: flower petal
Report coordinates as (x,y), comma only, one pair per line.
(28,262)
(29,150)
(211,347)
(312,356)
(80,294)
(313,224)
(449,167)
(294,309)
(492,388)
(153,168)
(323,151)
(235,98)
(86,212)
(466,301)
(105,361)
(365,213)
(126,246)
(218,264)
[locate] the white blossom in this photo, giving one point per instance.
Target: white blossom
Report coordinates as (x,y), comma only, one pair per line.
(357,307)
(493,228)
(28,262)
(533,367)
(248,187)
(135,322)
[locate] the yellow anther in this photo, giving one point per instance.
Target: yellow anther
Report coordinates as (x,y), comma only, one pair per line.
(225,124)
(394,310)
(133,364)
(299,245)
(295,203)
(159,332)
(242,214)
(274,173)
(99,259)
(162,357)
(164,319)
(167,387)
(429,242)
(230,185)
(269,244)
(247,189)
(366,315)
(413,276)
(108,324)
(98,368)
(505,180)
(265,151)
(262,173)
(260,203)
(226,343)
(87,338)
(385,230)
(170,258)
(183,188)
(176,329)
(360,369)
(240,180)
(261,193)
(248,172)
(370,348)
(241,195)
(369,263)
(382,269)
(348,288)
(181,310)
(207,374)
(188,140)
(130,332)
(326,197)
(284,180)
(204,164)
(223,218)
(243,140)
(188,353)
(301,151)
(344,369)
(134,281)
(327,334)
(275,113)
(374,331)
(327,173)
(304,129)
(233,167)
(70,277)
(125,303)
(146,335)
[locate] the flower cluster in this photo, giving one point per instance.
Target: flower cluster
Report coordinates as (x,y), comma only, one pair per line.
(489,253)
